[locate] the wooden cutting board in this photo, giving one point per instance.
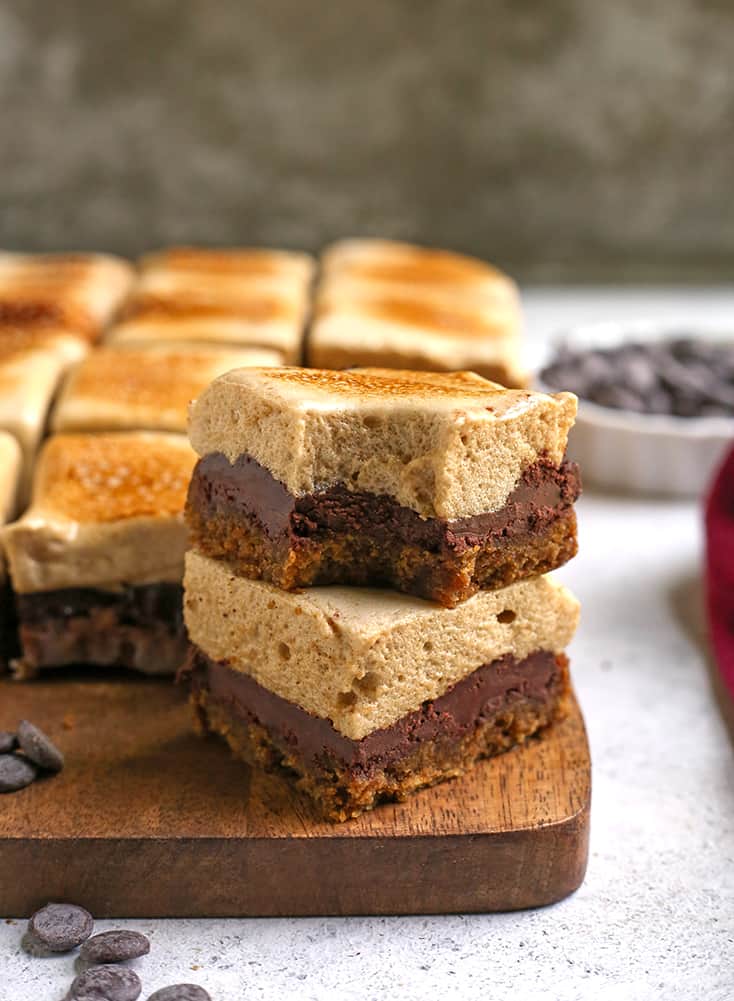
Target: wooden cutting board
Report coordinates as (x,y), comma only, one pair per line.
(149,820)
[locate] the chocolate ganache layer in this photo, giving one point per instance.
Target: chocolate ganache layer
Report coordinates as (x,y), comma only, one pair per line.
(538,679)
(247,490)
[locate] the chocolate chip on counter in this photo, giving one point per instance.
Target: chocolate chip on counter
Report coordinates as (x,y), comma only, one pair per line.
(181,992)
(106,983)
(61,927)
(8,742)
(15,772)
(36,745)
(114,947)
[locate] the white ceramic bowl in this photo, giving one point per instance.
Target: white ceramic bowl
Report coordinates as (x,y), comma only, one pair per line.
(644,453)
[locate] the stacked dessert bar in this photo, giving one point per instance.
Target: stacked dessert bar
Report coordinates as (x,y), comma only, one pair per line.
(364,593)
(248,297)
(400,306)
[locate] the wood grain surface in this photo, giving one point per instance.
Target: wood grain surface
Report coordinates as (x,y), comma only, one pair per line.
(148,819)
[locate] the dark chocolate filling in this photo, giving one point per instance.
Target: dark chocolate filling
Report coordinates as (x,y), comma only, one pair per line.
(314,739)
(141,605)
(246,489)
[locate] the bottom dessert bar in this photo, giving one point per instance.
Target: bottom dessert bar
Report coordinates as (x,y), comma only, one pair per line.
(139,627)
(494,708)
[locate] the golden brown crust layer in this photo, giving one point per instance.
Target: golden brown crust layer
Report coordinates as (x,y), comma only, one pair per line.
(448,577)
(341,795)
(108,477)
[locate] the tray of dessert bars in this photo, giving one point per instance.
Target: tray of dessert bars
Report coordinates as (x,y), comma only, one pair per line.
(292,629)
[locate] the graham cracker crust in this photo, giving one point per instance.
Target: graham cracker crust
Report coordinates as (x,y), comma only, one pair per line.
(448,576)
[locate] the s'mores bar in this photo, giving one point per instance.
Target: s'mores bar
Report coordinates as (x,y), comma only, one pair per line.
(32,363)
(146,387)
(395,305)
(97,560)
(435,484)
(362,696)
(10,458)
(252,297)
(77,293)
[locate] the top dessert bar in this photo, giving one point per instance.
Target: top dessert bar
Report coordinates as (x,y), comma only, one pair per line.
(402,306)
(435,484)
(76,293)
(128,387)
(245,297)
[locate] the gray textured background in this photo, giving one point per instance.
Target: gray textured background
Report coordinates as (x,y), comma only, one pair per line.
(571,139)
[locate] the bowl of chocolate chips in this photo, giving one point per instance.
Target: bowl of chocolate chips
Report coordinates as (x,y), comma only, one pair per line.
(656,404)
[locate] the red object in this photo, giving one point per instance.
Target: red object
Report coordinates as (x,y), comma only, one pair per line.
(720,569)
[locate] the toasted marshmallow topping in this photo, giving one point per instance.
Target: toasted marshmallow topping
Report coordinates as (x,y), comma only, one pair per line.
(149,387)
(239,297)
(78,293)
(396,305)
(106,510)
(238,262)
(390,262)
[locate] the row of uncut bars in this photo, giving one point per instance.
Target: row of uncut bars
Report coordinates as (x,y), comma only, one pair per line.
(96,560)
(91,344)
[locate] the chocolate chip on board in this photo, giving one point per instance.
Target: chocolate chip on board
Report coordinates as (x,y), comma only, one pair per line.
(8,742)
(15,772)
(181,992)
(106,983)
(114,947)
(61,927)
(36,745)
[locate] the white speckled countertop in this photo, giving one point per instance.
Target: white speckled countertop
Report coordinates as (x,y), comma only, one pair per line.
(655,917)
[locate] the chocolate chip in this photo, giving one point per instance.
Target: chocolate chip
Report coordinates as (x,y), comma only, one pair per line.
(620,398)
(61,927)
(36,745)
(114,947)
(106,983)
(8,742)
(181,992)
(15,772)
